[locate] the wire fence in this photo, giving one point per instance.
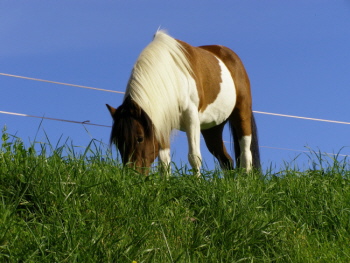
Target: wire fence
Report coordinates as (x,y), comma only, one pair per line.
(121,92)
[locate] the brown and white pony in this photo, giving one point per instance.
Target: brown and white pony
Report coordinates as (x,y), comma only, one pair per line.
(174,85)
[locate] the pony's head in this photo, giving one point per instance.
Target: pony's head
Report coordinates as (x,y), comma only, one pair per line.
(133,134)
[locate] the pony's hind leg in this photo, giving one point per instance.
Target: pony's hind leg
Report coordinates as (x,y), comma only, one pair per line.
(246,158)
(216,146)
(240,124)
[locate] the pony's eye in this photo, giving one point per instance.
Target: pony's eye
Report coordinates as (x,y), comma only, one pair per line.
(139,139)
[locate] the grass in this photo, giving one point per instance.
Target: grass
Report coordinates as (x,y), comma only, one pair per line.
(60,206)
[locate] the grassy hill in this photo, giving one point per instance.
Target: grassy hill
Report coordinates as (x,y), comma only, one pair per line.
(60,206)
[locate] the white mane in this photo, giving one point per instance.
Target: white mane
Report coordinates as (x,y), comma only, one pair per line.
(157,84)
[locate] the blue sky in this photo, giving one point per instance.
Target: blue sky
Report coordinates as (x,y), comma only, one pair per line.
(297,55)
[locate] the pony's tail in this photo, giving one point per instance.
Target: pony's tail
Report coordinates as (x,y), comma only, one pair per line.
(254,147)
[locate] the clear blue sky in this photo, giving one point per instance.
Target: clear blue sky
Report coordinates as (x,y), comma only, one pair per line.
(297,54)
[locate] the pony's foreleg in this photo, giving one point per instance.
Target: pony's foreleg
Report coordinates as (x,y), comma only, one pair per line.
(165,159)
(194,155)
(193,137)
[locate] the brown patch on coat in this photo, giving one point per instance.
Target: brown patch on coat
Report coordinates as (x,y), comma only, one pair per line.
(207,74)
(242,112)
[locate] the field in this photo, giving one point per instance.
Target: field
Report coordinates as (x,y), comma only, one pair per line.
(60,206)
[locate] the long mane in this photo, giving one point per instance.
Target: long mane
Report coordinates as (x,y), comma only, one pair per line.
(157,83)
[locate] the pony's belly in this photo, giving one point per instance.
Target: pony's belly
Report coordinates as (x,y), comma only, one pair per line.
(219,111)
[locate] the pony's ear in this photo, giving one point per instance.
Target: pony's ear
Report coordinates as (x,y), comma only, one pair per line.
(111,110)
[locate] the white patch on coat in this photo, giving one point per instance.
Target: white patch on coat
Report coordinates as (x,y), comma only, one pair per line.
(165,159)
(246,155)
(218,111)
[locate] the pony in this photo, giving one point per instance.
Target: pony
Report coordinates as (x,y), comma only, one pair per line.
(174,85)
